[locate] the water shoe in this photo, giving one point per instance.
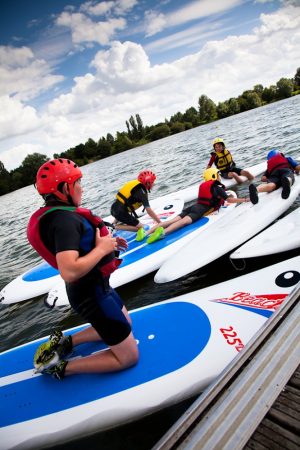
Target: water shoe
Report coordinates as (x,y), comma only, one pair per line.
(140,235)
(253,194)
(286,188)
(55,368)
(57,347)
(159,233)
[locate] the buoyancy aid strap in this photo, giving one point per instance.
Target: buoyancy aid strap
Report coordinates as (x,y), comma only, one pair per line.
(57,208)
(127,204)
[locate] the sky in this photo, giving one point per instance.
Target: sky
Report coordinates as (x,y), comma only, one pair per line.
(74,70)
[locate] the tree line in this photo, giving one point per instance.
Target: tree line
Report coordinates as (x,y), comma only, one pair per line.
(137,134)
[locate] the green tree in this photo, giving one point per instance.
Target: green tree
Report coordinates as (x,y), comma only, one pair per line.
(297,79)
(258,88)
(79,151)
(285,88)
(90,148)
(133,133)
(233,106)
(104,148)
(207,109)
(269,94)
(140,126)
(5,180)
(110,139)
(191,115)
(30,166)
(178,117)
(222,110)
(177,127)
(122,143)
(16,179)
(158,132)
(249,100)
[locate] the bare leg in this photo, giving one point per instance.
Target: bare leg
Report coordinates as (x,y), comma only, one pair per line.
(268,187)
(117,357)
(178,224)
(235,177)
(165,224)
(247,174)
(122,226)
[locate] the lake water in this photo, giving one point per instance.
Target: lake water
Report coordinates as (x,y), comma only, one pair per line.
(178,161)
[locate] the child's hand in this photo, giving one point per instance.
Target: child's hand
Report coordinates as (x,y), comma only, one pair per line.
(107,243)
(121,243)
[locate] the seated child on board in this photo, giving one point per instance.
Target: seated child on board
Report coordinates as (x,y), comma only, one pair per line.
(280,173)
(129,198)
(223,160)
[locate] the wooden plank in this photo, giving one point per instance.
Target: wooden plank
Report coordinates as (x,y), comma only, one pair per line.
(272,436)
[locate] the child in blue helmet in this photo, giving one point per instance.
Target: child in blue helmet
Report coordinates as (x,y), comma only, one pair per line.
(280,173)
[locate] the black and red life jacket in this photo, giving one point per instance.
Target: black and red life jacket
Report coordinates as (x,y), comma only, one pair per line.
(107,265)
(277,162)
(205,196)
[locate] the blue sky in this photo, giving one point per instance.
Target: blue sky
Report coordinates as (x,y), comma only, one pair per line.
(71,70)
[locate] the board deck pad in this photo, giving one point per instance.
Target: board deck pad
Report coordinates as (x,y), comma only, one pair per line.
(158,358)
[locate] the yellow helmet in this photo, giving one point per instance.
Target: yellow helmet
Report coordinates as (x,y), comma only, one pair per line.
(218,141)
(211,174)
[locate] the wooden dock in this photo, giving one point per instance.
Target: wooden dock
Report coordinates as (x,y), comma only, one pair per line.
(255,402)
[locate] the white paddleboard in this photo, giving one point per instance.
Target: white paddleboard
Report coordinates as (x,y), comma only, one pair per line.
(237,227)
(191,193)
(282,236)
(42,278)
(141,258)
(35,281)
(184,344)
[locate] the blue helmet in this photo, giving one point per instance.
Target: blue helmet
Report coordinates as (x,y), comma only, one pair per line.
(272,153)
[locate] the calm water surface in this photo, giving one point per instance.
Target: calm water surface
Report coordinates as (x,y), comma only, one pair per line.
(178,161)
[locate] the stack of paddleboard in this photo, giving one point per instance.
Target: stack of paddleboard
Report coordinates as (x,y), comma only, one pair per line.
(184,343)
(282,236)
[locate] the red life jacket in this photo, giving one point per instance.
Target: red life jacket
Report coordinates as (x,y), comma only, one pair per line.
(277,162)
(205,196)
(107,265)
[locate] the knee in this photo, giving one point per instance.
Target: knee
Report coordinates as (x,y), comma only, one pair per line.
(131,359)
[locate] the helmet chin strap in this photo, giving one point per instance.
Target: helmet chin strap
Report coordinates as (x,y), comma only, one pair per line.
(66,194)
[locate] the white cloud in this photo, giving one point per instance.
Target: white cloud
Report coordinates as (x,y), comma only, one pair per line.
(156,22)
(15,118)
(17,154)
(122,82)
(123,6)
(189,37)
(84,29)
(22,75)
(103,8)
(99,9)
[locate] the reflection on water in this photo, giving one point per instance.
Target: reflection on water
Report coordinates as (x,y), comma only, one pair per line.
(178,161)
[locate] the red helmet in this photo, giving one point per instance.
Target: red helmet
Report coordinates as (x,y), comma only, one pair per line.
(147,178)
(52,173)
